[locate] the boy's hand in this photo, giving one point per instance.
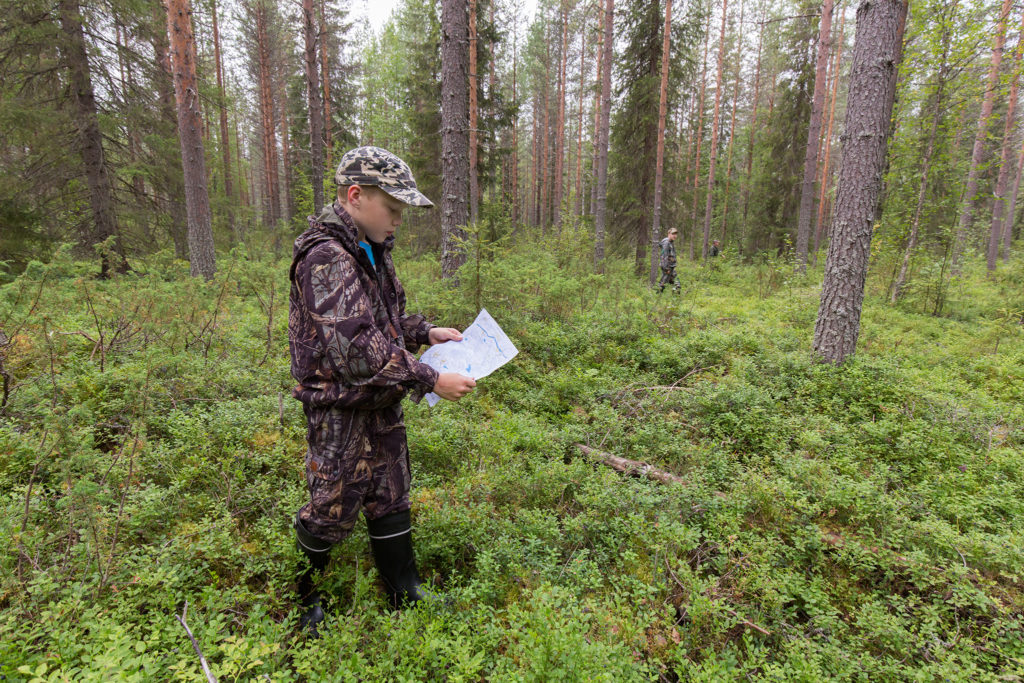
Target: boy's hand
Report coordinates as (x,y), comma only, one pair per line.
(452,385)
(438,335)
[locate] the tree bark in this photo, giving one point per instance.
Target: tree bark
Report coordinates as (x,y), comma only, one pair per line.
(837,62)
(271,195)
(999,206)
(225,142)
(602,141)
(202,258)
(90,140)
(876,54)
(713,149)
(803,230)
(316,141)
(474,177)
(454,134)
(563,59)
(597,105)
(1011,211)
(579,123)
(326,82)
(988,101)
(659,166)
(732,125)
(700,136)
(753,123)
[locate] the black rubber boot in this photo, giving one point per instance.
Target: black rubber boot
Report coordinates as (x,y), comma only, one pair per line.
(317,552)
(391,543)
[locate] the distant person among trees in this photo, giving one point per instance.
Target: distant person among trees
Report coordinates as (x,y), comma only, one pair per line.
(668,262)
(715,250)
(351,345)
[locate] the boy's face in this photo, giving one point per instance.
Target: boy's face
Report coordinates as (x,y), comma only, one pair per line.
(672,236)
(376,213)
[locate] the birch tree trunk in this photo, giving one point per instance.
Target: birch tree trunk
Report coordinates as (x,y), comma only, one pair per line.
(202,258)
(602,140)
(803,230)
(659,168)
(876,54)
(454,134)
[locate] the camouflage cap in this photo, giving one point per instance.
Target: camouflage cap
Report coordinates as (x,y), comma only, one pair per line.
(380,168)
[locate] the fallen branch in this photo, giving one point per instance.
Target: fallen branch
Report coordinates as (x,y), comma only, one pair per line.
(628,466)
(202,660)
(751,624)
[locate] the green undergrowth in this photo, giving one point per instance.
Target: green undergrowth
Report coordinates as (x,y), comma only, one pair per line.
(853,523)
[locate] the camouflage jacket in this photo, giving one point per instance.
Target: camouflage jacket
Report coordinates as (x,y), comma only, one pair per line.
(348,332)
(668,253)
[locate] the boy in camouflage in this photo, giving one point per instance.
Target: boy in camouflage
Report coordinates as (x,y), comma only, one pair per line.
(352,347)
(668,262)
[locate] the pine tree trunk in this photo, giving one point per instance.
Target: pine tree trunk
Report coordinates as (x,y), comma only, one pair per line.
(713,149)
(515,131)
(692,231)
(825,166)
(753,126)
(876,53)
(197,201)
(169,178)
(579,123)
(563,58)
(90,139)
(474,177)
(971,191)
(545,186)
(602,140)
(454,134)
(1011,211)
(326,81)
(732,126)
(225,142)
(999,207)
(803,230)
(286,151)
(316,141)
(271,194)
(597,105)
(659,166)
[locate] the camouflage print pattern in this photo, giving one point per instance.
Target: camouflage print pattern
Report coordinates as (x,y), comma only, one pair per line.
(381,168)
(357,460)
(668,275)
(349,337)
(668,254)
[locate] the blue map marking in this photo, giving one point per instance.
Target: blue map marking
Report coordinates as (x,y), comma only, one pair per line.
(491,337)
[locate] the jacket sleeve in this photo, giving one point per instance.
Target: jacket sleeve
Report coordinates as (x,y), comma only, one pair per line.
(361,356)
(664,255)
(415,328)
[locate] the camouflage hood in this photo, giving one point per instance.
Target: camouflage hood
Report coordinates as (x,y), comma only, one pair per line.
(333,223)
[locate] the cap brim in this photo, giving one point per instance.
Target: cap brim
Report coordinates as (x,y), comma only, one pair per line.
(408,196)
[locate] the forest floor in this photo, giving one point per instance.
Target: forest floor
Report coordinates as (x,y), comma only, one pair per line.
(864,522)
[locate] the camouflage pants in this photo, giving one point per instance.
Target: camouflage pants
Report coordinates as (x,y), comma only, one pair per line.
(668,275)
(357,459)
